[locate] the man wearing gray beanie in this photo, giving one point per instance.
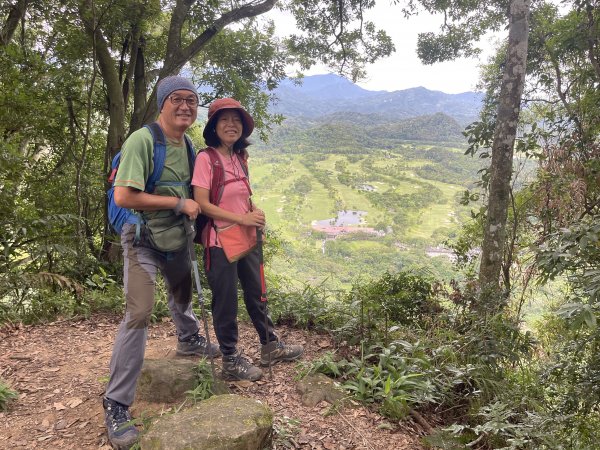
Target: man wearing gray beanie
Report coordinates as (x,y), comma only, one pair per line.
(161,246)
(168,85)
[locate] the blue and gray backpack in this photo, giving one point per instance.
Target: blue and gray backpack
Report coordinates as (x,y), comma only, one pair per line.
(118,216)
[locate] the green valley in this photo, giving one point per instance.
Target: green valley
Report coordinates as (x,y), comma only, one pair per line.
(408,193)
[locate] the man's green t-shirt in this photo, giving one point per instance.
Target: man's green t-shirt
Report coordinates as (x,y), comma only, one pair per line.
(135,168)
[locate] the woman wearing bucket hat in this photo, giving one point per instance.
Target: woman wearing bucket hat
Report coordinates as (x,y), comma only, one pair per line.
(226,132)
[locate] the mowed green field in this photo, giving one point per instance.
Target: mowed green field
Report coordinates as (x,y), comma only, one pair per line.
(308,258)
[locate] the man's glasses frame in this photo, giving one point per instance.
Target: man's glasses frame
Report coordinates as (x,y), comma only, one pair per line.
(176,100)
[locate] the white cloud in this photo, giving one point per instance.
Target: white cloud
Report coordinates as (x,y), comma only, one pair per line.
(403,70)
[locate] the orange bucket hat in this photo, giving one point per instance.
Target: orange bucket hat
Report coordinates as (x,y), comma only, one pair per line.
(227,103)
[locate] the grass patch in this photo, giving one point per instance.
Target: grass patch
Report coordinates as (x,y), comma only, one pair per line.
(7,395)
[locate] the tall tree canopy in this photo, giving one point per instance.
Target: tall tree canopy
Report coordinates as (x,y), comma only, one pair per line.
(79,76)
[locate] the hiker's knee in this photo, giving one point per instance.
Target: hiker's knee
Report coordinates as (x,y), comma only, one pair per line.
(139,315)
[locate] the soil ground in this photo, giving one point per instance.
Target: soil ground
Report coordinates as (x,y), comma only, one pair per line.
(60,370)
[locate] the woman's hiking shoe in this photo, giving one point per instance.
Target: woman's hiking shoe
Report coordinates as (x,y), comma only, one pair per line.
(237,367)
(197,345)
(122,433)
(277,351)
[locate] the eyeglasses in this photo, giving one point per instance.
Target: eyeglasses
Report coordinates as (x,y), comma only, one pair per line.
(192,102)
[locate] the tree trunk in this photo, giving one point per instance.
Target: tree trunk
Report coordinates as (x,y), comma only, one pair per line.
(509,107)
(116,104)
(16,14)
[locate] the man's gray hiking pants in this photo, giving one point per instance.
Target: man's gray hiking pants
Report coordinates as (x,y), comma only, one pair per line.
(139,275)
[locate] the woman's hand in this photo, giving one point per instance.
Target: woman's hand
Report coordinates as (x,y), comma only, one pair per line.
(254,218)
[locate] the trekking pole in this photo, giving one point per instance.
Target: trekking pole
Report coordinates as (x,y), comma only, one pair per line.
(263,289)
(189,231)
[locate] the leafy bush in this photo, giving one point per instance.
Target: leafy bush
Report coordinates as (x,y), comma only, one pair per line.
(392,300)
(311,307)
(385,376)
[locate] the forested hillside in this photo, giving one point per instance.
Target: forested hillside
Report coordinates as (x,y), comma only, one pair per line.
(439,252)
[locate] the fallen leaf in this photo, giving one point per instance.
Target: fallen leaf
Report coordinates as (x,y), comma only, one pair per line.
(50,369)
(75,402)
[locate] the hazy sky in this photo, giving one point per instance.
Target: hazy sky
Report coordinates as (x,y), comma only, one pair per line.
(403,70)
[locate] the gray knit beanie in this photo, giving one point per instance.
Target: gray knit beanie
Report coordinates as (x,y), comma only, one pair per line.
(171,84)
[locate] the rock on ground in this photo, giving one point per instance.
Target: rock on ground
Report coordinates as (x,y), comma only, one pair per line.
(164,380)
(223,422)
(316,388)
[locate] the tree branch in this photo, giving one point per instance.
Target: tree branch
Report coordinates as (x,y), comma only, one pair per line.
(176,57)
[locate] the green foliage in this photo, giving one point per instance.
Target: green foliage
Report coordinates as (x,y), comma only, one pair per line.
(575,253)
(386,376)
(325,364)
(6,395)
(334,36)
(501,425)
(311,307)
(161,305)
(464,24)
(392,300)
(204,382)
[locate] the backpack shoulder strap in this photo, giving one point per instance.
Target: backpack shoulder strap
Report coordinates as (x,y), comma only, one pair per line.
(218,176)
(159,155)
(191,153)
(244,164)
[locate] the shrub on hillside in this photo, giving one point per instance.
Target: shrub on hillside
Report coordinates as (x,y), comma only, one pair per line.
(399,299)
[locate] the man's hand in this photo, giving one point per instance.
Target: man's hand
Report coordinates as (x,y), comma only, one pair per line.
(190,208)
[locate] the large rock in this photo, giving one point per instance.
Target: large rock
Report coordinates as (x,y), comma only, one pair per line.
(316,388)
(166,380)
(223,422)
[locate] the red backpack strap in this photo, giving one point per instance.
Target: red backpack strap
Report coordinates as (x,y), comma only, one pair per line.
(244,163)
(216,192)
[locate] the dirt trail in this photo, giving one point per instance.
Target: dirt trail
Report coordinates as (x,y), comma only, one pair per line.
(60,370)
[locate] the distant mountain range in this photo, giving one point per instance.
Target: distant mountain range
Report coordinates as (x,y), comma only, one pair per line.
(331,108)
(335,96)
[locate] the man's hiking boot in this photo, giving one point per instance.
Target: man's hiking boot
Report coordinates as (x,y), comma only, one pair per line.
(237,367)
(277,351)
(197,345)
(122,433)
